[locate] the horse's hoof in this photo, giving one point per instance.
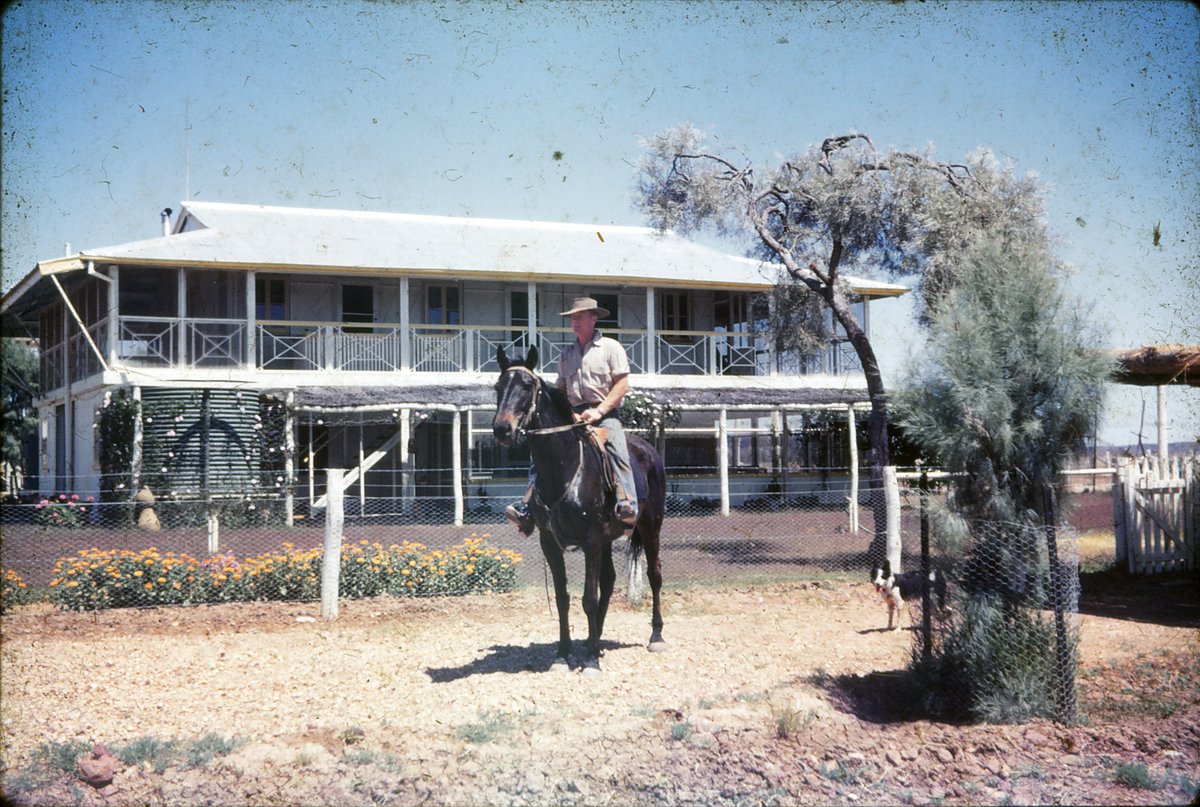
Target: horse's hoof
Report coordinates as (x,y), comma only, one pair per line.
(591,669)
(658,646)
(560,665)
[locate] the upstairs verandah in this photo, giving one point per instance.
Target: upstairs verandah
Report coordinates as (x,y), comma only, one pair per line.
(296,345)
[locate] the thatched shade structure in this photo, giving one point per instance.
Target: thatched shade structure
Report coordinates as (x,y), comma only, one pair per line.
(1158,365)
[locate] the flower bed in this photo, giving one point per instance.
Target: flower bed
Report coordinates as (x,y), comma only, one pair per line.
(98,579)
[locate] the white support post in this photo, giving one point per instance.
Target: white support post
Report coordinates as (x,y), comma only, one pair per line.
(139,436)
(457,465)
(362,471)
(312,471)
(406,335)
(723,458)
(1133,535)
(332,560)
(1163,450)
(531,330)
(777,465)
(180,315)
(214,533)
(252,320)
(289,460)
(853,504)
(891,487)
(651,331)
(114,316)
(408,479)
(1120,479)
(772,353)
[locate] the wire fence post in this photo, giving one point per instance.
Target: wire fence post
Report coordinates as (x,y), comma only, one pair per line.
(1063,649)
(332,560)
(926,617)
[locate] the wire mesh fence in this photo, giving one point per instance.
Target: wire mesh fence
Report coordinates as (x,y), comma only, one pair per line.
(998,642)
(767,535)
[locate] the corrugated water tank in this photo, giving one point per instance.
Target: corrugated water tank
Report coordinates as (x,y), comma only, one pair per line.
(198,440)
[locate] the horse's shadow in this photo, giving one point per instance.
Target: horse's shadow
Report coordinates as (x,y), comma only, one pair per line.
(508,658)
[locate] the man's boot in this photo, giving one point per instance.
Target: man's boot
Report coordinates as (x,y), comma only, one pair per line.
(518,513)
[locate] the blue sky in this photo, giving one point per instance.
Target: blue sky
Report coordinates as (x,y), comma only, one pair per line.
(114,110)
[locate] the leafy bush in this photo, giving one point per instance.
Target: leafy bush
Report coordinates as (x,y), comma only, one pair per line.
(1135,775)
(13,591)
(98,579)
(996,664)
(62,510)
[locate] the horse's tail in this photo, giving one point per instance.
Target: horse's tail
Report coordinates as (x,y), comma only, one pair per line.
(635,565)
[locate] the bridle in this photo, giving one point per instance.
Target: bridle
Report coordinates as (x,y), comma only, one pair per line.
(529,413)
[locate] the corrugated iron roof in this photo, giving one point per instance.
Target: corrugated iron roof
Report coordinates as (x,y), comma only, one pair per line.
(262,237)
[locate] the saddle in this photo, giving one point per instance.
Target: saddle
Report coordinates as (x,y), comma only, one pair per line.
(598,435)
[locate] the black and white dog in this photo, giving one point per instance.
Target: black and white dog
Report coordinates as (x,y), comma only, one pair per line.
(894,589)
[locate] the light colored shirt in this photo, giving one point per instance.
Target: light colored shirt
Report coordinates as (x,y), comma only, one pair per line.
(588,374)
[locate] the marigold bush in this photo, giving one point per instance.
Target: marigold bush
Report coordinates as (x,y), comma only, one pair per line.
(13,591)
(97,579)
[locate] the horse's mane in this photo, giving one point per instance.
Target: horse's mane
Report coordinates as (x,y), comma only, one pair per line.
(557,397)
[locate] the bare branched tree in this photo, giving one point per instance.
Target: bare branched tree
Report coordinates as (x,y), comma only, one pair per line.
(843,207)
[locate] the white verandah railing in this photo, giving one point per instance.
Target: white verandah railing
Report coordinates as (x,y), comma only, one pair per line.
(388,347)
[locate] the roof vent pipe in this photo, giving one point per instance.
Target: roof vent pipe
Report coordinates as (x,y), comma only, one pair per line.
(165,215)
(67,249)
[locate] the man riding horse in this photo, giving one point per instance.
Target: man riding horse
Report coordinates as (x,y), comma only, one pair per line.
(593,371)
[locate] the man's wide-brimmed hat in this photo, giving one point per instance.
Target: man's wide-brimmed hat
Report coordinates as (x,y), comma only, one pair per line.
(586,304)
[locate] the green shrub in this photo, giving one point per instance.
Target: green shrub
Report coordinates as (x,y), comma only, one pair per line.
(996,663)
(1135,775)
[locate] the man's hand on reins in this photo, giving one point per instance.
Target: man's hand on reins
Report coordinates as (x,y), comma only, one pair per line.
(590,416)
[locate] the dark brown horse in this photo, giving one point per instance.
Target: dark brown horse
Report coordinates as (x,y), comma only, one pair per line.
(572,505)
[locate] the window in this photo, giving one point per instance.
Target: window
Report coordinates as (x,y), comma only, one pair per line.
(674,311)
(268,298)
(358,305)
(442,306)
(148,293)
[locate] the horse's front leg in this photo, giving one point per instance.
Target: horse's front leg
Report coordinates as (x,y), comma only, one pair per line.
(597,590)
(558,573)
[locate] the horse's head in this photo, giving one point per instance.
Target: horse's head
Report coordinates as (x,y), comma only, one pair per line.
(516,395)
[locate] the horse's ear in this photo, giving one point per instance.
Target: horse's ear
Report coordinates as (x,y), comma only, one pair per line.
(502,359)
(531,358)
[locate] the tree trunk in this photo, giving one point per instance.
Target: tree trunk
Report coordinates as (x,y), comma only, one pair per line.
(878,453)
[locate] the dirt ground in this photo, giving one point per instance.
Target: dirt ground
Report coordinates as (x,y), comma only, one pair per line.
(778,695)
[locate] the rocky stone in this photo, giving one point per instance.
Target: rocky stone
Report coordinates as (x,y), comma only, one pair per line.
(98,769)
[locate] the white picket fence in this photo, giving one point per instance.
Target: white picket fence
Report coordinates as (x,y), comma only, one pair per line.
(1156,513)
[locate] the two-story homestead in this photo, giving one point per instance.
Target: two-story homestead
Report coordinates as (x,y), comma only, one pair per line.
(370,340)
